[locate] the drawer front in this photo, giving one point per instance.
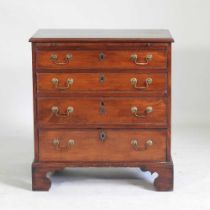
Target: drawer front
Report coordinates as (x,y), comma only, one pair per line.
(73,82)
(95,59)
(102,111)
(102,145)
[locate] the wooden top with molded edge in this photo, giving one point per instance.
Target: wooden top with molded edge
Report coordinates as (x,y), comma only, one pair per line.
(101,35)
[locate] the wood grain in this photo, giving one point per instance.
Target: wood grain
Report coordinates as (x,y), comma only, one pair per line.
(115,147)
(115,93)
(165,179)
(163,182)
(101,82)
(117,111)
(89,59)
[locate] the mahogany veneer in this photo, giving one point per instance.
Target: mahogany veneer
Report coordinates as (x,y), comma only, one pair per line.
(102,98)
(83,59)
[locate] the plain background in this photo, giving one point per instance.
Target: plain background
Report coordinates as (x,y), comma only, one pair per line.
(189,23)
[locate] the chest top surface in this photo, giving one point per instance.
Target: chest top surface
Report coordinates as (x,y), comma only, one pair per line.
(101,35)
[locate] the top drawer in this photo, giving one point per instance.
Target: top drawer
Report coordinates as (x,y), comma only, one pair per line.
(105,59)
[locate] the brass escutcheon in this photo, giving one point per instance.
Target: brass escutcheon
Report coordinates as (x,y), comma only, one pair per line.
(101,78)
(101,56)
(102,108)
(102,135)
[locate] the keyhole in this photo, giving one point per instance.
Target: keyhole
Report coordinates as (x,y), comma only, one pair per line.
(102,135)
(101,56)
(101,78)
(102,107)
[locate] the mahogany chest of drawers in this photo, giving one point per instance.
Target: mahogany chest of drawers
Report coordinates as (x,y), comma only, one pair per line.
(102,98)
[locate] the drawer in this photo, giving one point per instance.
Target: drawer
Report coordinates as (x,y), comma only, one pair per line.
(102,111)
(102,145)
(74,82)
(95,59)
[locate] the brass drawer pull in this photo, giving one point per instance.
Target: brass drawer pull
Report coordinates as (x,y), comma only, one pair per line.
(55,111)
(147,82)
(134,111)
(134,58)
(136,146)
(69,83)
(54,59)
(57,146)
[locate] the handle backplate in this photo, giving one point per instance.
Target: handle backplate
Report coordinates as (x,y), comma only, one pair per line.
(134,111)
(66,59)
(134,58)
(69,83)
(136,145)
(57,145)
(147,82)
(55,111)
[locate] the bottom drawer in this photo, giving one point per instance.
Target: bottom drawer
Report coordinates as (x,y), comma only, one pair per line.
(102,145)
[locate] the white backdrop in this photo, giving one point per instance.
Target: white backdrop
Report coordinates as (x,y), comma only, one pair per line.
(189,23)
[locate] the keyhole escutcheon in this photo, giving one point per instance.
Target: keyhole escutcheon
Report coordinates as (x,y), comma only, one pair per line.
(102,108)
